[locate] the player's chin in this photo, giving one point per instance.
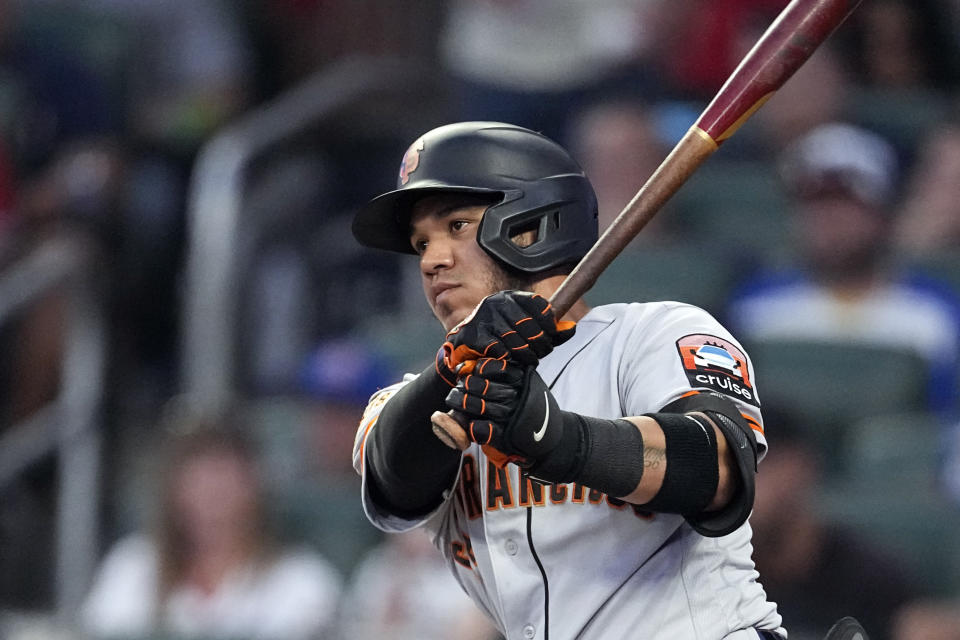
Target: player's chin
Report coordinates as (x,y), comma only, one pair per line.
(445,313)
(450,310)
(452,315)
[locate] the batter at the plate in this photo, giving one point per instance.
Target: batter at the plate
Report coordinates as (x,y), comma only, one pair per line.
(609,458)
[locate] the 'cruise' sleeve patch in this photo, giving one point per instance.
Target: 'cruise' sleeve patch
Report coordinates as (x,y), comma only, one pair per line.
(717,364)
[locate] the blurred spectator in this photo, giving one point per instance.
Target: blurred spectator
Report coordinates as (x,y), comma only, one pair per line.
(299,37)
(903,44)
(60,172)
(928,620)
(706,42)
(814,96)
(187,69)
(619,145)
(843,287)
(930,215)
(403,591)
(189,65)
(341,374)
(212,569)
(533,62)
(815,570)
(48,97)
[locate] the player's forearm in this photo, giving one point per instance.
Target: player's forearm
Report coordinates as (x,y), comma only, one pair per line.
(665,462)
(655,464)
(409,467)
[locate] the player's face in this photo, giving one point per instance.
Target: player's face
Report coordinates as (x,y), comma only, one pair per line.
(455,271)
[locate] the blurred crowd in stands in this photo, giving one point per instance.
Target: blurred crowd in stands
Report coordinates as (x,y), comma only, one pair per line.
(825,235)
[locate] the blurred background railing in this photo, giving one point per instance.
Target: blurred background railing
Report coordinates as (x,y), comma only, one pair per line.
(69,425)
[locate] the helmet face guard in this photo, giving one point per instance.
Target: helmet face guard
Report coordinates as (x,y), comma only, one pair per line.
(540,188)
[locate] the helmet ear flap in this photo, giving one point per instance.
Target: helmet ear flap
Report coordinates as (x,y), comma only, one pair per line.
(525,234)
(552,224)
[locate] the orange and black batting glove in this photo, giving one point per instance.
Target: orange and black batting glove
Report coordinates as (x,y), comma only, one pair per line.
(508,407)
(515,325)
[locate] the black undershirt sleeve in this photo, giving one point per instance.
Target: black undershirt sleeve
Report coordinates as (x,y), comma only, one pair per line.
(408,467)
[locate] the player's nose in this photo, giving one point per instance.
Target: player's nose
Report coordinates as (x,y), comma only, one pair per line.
(437,255)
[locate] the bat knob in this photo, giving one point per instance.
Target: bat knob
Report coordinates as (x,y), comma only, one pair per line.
(449,431)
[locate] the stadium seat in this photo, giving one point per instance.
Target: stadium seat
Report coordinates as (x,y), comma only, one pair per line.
(917,524)
(903,117)
(890,495)
(943,265)
(832,385)
(893,450)
(737,208)
(664,273)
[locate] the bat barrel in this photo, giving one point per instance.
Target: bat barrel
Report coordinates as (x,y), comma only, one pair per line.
(789,41)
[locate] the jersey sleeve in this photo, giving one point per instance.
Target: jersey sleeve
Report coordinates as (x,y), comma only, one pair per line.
(378,516)
(679,350)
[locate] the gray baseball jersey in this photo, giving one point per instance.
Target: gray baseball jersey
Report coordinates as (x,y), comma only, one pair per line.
(564,561)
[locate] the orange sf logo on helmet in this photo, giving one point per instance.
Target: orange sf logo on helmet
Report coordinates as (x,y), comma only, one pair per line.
(411,160)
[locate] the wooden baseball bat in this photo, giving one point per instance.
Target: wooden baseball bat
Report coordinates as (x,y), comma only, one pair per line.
(786,44)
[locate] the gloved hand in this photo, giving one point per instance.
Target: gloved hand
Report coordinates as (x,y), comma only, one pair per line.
(511,409)
(510,324)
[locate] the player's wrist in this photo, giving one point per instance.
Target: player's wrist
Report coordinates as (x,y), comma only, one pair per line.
(564,461)
(606,455)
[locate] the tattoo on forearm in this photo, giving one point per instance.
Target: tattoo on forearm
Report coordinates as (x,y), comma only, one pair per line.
(652,457)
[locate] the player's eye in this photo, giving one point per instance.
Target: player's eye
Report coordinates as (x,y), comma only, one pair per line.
(458,225)
(419,246)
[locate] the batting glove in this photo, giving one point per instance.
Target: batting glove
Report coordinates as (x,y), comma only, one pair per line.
(510,408)
(510,324)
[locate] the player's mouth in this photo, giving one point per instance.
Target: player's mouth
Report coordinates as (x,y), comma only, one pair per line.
(440,291)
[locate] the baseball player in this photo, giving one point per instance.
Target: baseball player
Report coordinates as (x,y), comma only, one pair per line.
(606,486)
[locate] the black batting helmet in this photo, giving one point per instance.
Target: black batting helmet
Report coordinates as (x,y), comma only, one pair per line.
(536,184)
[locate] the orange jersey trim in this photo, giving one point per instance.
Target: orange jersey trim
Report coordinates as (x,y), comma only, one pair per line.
(753,424)
(756,426)
(363,443)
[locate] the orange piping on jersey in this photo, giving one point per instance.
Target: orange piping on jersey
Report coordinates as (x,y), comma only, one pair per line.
(363,443)
(753,423)
(750,421)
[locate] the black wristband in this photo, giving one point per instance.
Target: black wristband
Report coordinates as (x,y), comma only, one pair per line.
(693,471)
(605,455)
(742,443)
(613,462)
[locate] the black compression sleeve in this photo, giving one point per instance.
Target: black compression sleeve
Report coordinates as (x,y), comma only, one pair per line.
(408,465)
